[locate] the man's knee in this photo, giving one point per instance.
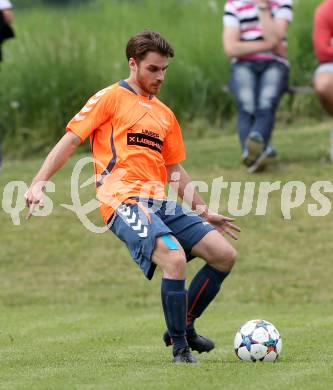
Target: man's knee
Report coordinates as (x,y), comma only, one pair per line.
(223,257)
(172,262)
(228,258)
(175,266)
(323,84)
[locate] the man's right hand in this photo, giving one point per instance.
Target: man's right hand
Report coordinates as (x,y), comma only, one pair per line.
(34,197)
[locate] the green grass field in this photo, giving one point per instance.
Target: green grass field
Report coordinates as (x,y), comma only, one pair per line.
(76,313)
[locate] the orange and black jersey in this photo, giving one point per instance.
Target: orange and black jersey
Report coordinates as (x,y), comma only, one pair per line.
(133,138)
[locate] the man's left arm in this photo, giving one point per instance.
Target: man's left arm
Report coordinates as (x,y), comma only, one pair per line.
(181,182)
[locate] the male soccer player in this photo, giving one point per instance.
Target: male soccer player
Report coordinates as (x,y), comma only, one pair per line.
(137,146)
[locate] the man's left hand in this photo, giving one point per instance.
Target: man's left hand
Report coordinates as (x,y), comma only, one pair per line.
(223,225)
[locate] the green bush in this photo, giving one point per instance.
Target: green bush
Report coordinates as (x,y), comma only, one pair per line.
(63,55)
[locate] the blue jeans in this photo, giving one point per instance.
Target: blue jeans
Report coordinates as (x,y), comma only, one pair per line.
(258,87)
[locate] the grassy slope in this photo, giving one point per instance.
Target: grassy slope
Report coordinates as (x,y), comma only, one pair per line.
(76,313)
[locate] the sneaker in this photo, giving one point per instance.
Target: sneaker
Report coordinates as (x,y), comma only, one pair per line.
(245,159)
(195,341)
(267,157)
(184,356)
(255,147)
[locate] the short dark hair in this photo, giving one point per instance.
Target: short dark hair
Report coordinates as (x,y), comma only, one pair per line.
(140,44)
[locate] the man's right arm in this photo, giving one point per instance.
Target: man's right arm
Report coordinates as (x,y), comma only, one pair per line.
(53,162)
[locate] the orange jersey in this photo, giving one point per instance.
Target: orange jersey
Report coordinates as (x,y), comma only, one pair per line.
(133,138)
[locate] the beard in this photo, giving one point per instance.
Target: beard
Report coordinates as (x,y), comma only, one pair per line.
(148,88)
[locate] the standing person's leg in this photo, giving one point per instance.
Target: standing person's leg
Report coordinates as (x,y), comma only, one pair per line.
(170,257)
(150,243)
(273,83)
(323,83)
(219,256)
(197,236)
(243,84)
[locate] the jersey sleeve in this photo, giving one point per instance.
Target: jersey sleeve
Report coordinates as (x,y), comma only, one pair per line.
(173,149)
(98,109)
(230,18)
(285,10)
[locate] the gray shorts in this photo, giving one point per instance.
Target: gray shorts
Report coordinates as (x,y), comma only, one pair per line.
(327,67)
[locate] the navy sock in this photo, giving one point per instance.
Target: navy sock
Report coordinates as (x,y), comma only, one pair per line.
(173,296)
(203,289)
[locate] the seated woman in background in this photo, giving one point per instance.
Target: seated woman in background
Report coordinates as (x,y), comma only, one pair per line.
(254,37)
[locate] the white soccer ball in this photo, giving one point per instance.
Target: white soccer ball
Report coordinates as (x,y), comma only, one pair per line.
(258,340)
